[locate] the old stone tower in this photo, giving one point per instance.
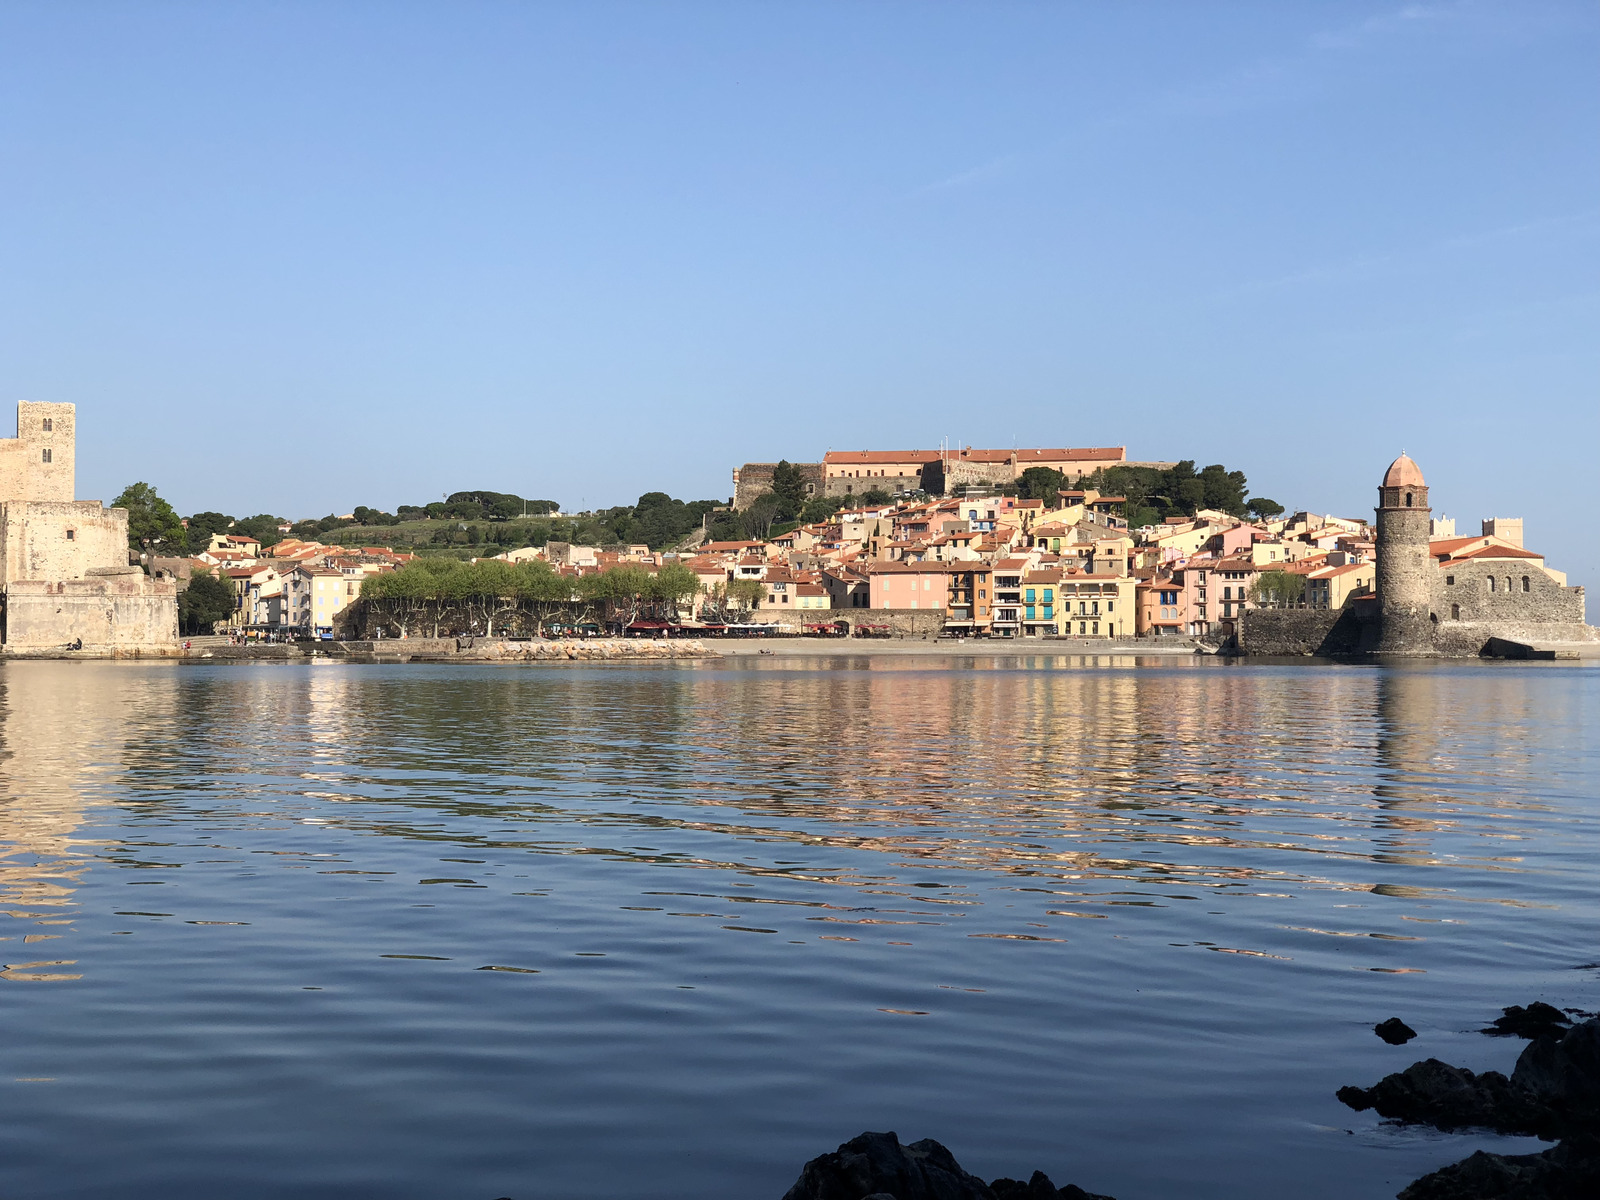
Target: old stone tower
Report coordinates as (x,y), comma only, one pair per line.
(65,580)
(1404,575)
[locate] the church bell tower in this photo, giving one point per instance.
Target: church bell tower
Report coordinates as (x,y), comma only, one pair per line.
(1405,571)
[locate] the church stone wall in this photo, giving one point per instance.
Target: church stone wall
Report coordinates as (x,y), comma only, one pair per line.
(1522,594)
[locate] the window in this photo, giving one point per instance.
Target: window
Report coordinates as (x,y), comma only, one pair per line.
(1050,593)
(46,454)
(1525,583)
(72,535)
(1029,596)
(1508,583)
(1083,628)
(1455,612)
(983,593)
(1049,613)
(1227,593)
(1491,583)
(49,424)
(1097,627)
(1408,499)
(1449,581)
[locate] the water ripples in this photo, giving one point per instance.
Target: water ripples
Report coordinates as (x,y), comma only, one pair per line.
(671,930)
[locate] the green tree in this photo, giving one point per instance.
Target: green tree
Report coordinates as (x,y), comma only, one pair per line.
(876,495)
(789,487)
(1278,589)
(203,524)
(757,520)
(1040,483)
(820,508)
(152,525)
(203,603)
(1263,509)
(263,527)
(1224,489)
(671,585)
(746,592)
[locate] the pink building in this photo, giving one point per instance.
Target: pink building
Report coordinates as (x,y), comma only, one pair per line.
(910,584)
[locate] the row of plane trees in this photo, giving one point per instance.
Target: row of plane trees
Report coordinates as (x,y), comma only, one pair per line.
(443,594)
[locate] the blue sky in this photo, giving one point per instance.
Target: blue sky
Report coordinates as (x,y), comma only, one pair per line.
(298,257)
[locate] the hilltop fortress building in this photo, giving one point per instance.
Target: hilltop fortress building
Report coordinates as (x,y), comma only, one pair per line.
(937,472)
(65,580)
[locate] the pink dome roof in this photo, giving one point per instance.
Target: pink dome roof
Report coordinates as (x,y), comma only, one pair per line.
(1403,472)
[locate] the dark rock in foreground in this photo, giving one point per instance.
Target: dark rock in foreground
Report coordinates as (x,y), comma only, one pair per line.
(1435,1093)
(1537,1020)
(1570,1171)
(1554,1092)
(875,1166)
(1394,1031)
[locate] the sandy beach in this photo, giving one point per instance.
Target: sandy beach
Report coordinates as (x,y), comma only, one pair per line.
(946,647)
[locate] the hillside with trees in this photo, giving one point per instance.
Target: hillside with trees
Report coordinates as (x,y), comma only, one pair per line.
(482,522)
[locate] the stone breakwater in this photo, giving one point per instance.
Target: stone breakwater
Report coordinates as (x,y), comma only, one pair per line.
(463,649)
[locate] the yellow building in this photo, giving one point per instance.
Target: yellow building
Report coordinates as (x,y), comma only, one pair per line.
(1095,605)
(1330,587)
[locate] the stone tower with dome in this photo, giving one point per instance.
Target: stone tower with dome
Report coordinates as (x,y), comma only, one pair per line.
(1404,569)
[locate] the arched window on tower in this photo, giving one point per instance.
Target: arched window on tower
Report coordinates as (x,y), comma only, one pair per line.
(1491,583)
(1508,583)
(1455,612)
(1525,583)
(1408,499)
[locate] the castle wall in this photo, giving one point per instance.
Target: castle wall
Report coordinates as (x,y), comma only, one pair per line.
(755,479)
(127,610)
(25,474)
(59,540)
(928,478)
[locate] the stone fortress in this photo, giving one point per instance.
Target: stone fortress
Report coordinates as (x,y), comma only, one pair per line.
(1437,594)
(65,580)
(937,472)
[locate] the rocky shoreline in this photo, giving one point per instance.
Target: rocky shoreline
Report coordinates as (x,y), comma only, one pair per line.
(1552,1093)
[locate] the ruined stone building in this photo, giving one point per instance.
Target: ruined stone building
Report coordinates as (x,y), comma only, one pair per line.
(64,572)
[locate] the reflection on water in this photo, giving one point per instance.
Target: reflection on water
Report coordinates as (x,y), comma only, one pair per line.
(740,912)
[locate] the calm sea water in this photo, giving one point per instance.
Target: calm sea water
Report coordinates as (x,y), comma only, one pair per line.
(344,931)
